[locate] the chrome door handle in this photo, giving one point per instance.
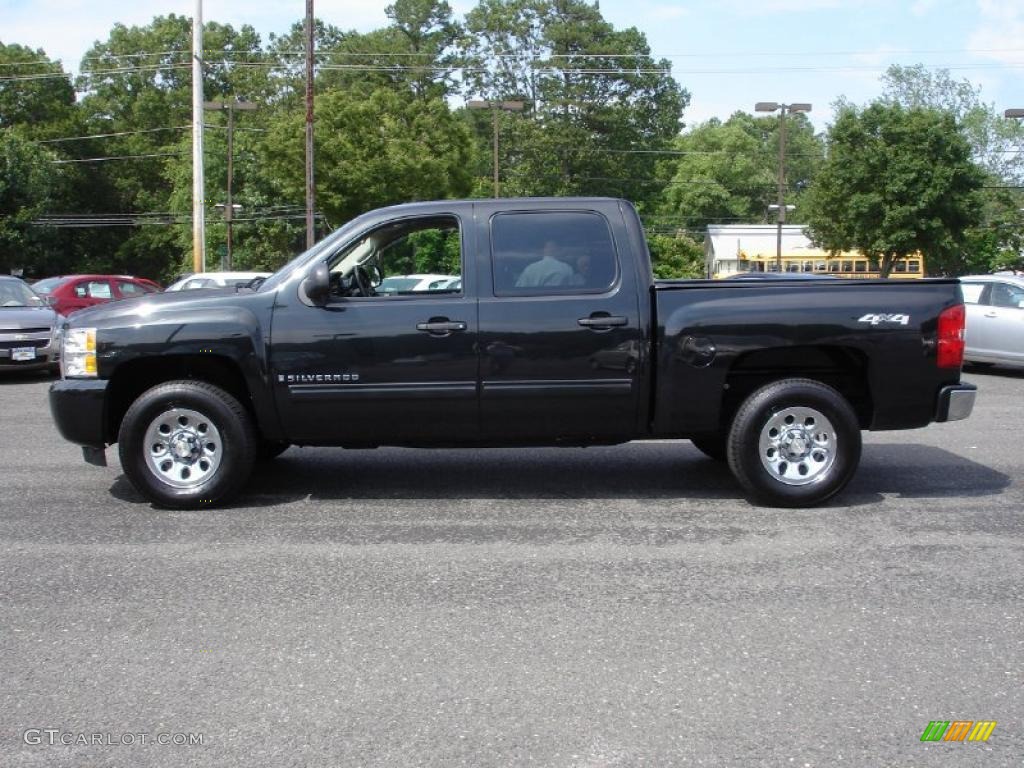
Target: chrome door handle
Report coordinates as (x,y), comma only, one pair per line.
(599,322)
(441,326)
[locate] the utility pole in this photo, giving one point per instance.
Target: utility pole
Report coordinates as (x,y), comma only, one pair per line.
(310,190)
(771,106)
(229,208)
(198,186)
(495,107)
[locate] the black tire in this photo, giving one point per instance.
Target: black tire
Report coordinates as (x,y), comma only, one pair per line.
(268,450)
(813,453)
(713,445)
(177,417)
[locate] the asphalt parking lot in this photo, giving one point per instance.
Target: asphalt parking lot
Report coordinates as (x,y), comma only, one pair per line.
(579,607)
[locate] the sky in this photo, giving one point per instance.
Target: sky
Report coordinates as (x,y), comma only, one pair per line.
(728,54)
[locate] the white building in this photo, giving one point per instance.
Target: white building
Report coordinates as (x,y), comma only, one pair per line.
(729,248)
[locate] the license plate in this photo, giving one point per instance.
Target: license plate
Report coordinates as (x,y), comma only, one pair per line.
(20,354)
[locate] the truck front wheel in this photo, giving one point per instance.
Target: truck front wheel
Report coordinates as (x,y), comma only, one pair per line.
(186,444)
(794,443)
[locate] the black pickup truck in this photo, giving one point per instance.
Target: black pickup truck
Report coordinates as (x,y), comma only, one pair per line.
(507,323)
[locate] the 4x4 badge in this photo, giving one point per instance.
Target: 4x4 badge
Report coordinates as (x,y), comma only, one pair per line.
(878,319)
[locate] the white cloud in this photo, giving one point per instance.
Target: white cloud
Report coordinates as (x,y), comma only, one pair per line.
(922,7)
(66,29)
(665,12)
(770,7)
(999,35)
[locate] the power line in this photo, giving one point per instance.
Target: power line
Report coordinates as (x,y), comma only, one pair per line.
(116,133)
(731,54)
(549,70)
(207,126)
(119,157)
(84,220)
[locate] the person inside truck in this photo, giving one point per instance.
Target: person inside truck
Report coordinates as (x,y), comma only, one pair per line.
(548,270)
(582,275)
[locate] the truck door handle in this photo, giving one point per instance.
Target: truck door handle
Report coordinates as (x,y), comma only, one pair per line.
(991,314)
(602,322)
(441,326)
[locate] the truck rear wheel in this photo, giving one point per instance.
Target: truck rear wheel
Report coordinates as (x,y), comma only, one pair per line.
(186,444)
(794,443)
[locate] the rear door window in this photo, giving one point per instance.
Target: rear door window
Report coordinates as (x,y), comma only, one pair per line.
(534,254)
(1007,295)
(94,289)
(128,290)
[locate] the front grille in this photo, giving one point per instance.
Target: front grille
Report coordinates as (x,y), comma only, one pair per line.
(37,343)
(11,331)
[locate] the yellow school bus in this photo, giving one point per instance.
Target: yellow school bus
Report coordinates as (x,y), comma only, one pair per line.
(843,265)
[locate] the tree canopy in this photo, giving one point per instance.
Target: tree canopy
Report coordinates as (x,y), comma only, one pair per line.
(728,172)
(896,182)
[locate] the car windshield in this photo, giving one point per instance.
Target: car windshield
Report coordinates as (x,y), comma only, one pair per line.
(49,285)
(17,294)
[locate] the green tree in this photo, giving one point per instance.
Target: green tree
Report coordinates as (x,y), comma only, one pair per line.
(29,182)
(598,104)
(896,182)
(995,145)
(138,86)
(370,151)
(995,140)
(34,91)
(676,256)
(726,172)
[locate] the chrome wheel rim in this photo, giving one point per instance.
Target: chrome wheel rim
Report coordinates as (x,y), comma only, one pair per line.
(183,448)
(798,446)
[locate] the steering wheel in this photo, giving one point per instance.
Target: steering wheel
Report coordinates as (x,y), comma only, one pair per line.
(361,277)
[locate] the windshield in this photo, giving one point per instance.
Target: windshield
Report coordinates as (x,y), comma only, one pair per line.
(320,248)
(49,285)
(17,294)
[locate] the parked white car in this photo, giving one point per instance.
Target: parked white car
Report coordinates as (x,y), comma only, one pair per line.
(214,280)
(417,283)
(995,319)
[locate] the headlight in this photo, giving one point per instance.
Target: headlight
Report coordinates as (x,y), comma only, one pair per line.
(78,352)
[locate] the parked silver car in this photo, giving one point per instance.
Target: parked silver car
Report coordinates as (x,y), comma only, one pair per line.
(28,328)
(995,319)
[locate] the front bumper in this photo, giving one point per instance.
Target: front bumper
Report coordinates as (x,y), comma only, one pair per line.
(79,410)
(955,402)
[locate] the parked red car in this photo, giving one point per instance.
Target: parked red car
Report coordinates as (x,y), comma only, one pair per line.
(73,292)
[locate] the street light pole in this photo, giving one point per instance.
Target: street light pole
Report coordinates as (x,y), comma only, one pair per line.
(310,188)
(495,106)
(229,209)
(772,106)
(198,191)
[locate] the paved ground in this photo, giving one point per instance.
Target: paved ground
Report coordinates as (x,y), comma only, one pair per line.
(597,607)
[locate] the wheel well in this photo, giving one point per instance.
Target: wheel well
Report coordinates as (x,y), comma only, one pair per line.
(842,368)
(133,378)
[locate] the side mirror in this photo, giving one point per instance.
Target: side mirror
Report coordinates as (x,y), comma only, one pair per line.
(317,284)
